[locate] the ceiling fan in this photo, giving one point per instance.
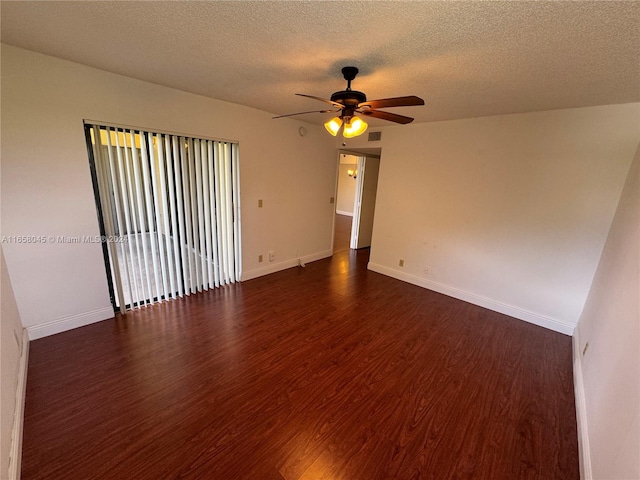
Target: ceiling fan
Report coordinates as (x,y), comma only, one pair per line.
(351,102)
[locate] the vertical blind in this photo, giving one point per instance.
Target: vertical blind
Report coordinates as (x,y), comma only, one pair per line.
(169,208)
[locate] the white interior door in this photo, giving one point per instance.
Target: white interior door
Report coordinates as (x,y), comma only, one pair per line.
(357,202)
(365,202)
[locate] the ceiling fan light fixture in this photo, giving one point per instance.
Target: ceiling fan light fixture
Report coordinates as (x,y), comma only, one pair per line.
(355,127)
(351,102)
(333,125)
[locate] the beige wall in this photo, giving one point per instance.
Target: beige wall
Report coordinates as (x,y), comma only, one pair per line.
(47,190)
(610,324)
(346,185)
(11,341)
(510,212)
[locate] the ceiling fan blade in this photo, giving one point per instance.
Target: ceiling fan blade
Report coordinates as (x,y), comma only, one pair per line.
(409,101)
(302,113)
(335,104)
(392,117)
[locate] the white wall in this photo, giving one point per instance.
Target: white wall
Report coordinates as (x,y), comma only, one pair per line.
(47,190)
(610,367)
(510,212)
(346,185)
(11,340)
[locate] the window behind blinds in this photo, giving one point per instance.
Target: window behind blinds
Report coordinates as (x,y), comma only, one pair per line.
(169,208)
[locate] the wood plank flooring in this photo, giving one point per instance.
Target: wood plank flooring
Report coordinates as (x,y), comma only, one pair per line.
(342,237)
(324,372)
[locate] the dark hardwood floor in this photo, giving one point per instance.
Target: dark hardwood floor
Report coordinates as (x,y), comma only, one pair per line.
(342,236)
(324,372)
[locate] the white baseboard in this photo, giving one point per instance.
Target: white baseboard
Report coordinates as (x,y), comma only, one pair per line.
(342,212)
(15,454)
(519,313)
(584,452)
(293,262)
(68,323)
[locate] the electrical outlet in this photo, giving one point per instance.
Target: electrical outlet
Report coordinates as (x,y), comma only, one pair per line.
(332,199)
(260,203)
(401,263)
(259,258)
(272,256)
(426,270)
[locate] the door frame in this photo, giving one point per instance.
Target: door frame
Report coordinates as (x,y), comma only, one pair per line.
(361,153)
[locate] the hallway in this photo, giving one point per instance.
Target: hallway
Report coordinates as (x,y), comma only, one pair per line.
(342,235)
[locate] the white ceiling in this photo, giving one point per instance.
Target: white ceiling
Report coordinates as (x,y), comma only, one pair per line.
(466,59)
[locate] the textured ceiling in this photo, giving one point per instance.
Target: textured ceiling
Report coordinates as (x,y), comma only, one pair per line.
(466,59)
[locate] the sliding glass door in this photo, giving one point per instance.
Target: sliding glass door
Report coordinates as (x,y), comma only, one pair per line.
(169,210)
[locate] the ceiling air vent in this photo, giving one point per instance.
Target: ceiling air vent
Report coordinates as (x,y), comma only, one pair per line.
(375,136)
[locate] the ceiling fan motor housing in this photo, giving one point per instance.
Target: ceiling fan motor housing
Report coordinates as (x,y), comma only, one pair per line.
(349,98)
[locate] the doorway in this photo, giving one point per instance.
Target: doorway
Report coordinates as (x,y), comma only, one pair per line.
(345,198)
(356,198)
